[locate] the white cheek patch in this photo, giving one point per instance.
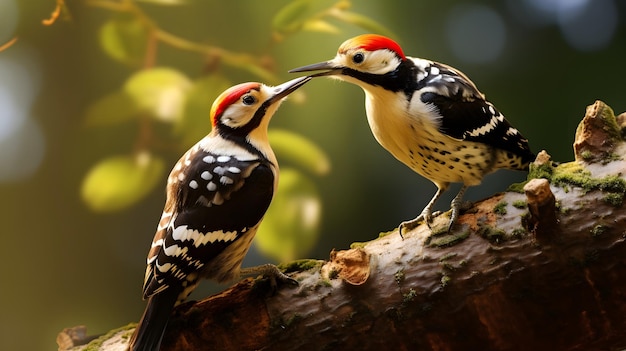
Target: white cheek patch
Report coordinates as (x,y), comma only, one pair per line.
(379,62)
(236,115)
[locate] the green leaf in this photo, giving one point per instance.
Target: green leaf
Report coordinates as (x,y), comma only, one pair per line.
(290,17)
(294,148)
(159,91)
(318,25)
(290,228)
(195,122)
(124,40)
(111,109)
(363,22)
(119,182)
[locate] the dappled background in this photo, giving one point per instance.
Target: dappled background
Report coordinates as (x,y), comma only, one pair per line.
(97,104)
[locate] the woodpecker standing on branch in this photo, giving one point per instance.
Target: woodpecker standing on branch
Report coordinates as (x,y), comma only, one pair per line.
(217,195)
(428,115)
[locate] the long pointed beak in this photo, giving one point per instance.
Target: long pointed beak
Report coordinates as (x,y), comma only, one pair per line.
(327,66)
(281,91)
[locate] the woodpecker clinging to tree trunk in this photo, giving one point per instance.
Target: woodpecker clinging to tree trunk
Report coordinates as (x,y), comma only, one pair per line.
(428,115)
(217,195)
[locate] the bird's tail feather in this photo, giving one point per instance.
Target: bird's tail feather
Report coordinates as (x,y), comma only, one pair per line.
(151,327)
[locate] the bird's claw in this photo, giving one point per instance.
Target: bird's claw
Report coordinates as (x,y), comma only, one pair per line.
(413,223)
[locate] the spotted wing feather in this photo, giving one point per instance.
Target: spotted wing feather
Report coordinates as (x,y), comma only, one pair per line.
(468,116)
(214,196)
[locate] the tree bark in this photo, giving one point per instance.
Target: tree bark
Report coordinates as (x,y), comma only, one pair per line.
(541,269)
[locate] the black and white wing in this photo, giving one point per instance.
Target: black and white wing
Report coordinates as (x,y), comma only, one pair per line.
(218,200)
(466,114)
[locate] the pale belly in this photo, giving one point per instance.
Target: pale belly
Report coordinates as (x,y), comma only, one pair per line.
(441,159)
(409,132)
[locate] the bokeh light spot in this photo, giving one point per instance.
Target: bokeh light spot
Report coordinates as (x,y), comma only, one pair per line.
(585,25)
(555,8)
(21,152)
(592,27)
(476,33)
(10,117)
(22,142)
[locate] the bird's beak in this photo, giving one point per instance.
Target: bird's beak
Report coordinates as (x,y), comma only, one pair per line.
(281,91)
(327,66)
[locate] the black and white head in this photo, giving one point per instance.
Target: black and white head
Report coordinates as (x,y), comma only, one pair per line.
(365,59)
(243,112)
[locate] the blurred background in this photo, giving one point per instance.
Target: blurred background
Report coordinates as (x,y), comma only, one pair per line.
(98,103)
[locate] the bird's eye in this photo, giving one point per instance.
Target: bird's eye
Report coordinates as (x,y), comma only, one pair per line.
(248,100)
(358,57)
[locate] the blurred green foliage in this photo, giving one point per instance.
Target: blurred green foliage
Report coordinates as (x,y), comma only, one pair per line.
(115,183)
(291,225)
(165,94)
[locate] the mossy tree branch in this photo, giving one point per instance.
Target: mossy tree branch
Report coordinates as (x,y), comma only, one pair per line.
(544,269)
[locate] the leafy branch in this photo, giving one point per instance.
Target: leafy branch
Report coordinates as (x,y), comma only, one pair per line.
(171,109)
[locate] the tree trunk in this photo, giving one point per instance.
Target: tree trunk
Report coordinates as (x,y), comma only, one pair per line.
(542,268)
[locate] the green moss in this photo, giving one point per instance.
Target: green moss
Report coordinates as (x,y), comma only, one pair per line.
(571,173)
(440,230)
(518,233)
(447,240)
(409,296)
(610,157)
(540,171)
(384,234)
(445,261)
(586,155)
(500,208)
(614,199)
(519,204)
(574,174)
(612,183)
(333,274)
(598,230)
(325,283)
(445,279)
(492,234)
(448,256)
(95,344)
(610,123)
(300,265)
(447,265)
(535,171)
(399,276)
(517,187)
(358,245)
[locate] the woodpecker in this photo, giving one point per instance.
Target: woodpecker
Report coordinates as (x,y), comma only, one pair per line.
(217,195)
(429,116)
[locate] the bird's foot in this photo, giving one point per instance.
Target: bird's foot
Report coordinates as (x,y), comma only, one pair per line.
(457,208)
(425,217)
(271,272)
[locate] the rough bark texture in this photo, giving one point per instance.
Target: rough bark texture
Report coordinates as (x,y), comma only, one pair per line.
(543,268)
